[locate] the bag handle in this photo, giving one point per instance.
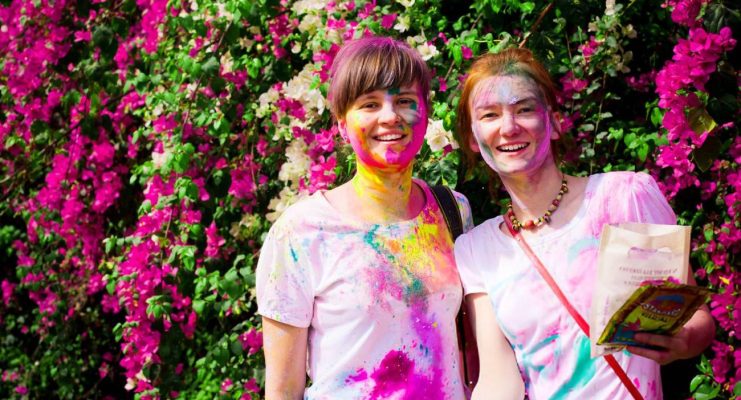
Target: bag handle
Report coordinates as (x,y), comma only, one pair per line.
(611,361)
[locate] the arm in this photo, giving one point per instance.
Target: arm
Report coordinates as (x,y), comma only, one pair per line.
(691,340)
(285,360)
(499,376)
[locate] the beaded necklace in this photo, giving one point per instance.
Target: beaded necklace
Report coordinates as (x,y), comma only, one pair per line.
(545,219)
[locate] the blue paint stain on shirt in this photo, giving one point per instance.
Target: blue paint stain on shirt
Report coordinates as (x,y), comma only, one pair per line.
(585,370)
(580,246)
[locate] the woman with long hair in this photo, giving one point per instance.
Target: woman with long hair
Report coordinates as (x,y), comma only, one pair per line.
(508,114)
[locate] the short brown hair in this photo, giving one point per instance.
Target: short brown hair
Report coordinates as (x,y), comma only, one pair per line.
(513,61)
(374,63)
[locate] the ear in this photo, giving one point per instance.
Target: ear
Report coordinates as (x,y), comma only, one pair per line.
(473,144)
(556,123)
(342,127)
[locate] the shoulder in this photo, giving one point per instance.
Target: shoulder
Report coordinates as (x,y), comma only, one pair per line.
(299,216)
(479,237)
(624,178)
(464,208)
(623,183)
(631,196)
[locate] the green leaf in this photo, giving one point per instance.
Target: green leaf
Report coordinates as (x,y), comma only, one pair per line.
(210,67)
(642,152)
(737,389)
(198,306)
(236,347)
(696,382)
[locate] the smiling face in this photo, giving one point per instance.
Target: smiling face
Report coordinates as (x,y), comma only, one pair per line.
(512,127)
(386,127)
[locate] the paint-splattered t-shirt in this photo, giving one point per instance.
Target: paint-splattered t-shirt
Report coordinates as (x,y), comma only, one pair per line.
(552,352)
(379,300)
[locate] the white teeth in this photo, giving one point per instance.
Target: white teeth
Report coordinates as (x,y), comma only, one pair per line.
(389,137)
(512,147)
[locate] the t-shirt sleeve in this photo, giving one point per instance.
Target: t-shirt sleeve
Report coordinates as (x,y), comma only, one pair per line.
(470,275)
(284,286)
(465,210)
(645,201)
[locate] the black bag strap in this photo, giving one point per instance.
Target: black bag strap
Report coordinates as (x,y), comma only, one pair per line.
(449,208)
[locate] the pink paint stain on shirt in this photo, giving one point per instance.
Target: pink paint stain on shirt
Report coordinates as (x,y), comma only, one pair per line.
(396,374)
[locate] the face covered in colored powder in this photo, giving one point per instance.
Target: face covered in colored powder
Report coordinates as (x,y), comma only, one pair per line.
(386,127)
(512,127)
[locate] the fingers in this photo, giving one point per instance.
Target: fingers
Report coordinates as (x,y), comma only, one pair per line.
(661,357)
(665,348)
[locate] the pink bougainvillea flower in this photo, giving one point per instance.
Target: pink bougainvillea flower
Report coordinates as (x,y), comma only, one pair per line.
(466,52)
(213,241)
(226,386)
(387,21)
(251,341)
(7,289)
(251,386)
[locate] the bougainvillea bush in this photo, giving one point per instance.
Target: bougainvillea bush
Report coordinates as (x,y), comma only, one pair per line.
(146,146)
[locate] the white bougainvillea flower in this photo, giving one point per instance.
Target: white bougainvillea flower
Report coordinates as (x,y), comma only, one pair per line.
(427,51)
(285,198)
(227,62)
(267,100)
(437,137)
(406,3)
(309,6)
(415,40)
(402,23)
(297,164)
(303,88)
(310,23)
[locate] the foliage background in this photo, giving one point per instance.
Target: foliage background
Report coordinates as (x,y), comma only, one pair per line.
(146,146)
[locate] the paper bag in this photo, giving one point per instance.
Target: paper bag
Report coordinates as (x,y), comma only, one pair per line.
(630,254)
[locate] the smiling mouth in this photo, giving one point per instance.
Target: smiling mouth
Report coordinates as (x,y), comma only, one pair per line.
(389,137)
(511,148)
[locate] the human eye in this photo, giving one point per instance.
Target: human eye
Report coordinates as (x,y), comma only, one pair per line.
(525,110)
(406,101)
(485,115)
(527,107)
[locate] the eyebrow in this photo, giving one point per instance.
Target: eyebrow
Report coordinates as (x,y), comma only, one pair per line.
(518,102)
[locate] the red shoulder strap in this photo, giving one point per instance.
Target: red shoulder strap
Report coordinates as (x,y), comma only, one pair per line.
(611,361)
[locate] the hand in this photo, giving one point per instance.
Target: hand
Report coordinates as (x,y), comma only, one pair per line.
(669,348)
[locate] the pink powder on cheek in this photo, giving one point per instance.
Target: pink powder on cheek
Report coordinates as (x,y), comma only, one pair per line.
(418,130)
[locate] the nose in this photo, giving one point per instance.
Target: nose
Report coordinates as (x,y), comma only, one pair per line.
(508,124)
(388,113)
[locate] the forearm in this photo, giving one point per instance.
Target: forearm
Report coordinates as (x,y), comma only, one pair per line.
(283,384)
(285,360)
(701,328)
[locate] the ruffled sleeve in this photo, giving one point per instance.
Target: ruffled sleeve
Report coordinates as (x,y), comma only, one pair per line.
(645,201)
(284,286)
(465,210)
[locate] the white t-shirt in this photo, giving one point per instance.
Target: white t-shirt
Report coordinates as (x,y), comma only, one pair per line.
(380,301)
(552,352)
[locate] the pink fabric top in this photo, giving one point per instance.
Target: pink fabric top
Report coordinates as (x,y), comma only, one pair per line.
(379,300)
(552,352)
